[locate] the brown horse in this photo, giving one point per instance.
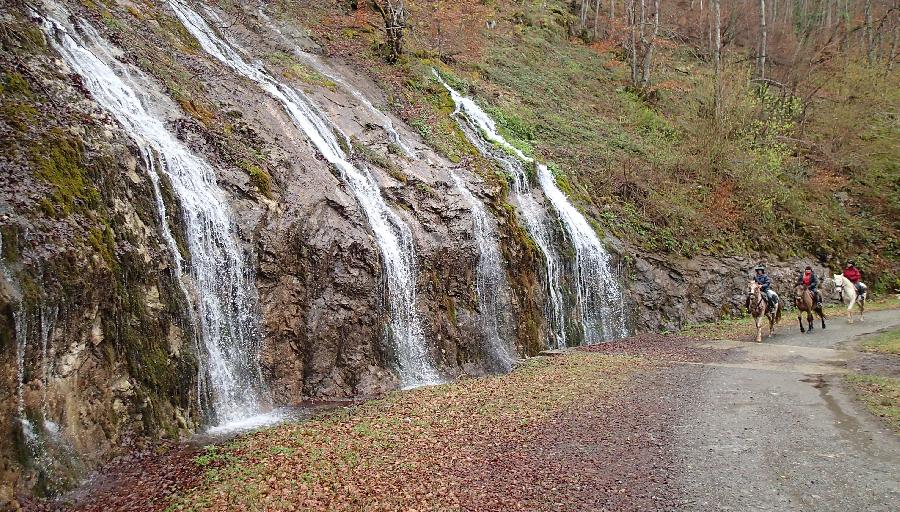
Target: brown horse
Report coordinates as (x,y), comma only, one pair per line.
(759,307)
(805,301)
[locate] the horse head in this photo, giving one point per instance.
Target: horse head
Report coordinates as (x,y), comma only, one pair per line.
(839,283)
(753,288)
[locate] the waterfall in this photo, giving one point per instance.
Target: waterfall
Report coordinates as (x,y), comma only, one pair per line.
(317,65)
(490,279)
(491,276)
(477,127)
(392,235)
(48,318)
(223,284)
(600,299)
(599,296)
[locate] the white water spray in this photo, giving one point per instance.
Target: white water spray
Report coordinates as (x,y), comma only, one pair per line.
(490,279)
(224,286)
(600,299)
(599,296)
(481,130)
(392,235)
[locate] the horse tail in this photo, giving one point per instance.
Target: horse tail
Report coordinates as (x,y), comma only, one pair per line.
(778,309)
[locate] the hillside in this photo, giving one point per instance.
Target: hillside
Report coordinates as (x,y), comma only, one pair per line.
(807,170)
(215,212)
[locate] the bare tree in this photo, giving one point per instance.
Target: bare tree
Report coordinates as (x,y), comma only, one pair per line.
(394,15)
(717,57)
(648,43)
(870,35)
(632,46)
(763,43)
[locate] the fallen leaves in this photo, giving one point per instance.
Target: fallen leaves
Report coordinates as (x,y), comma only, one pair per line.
(427,449)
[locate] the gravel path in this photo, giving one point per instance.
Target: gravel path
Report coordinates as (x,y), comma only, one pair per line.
(773,428)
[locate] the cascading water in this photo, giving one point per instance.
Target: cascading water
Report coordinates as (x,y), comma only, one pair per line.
(490,279)
(491,276)
(477,127)
(599,296)
(223,284)
(392,235)
(600,299)
(48,318)
(317,65)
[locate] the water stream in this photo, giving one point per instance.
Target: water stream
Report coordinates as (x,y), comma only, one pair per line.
(392,235)
(482,133)
(490,280)
(600,300)
(223,285)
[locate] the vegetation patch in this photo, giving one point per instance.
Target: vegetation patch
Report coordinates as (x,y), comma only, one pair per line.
(886,342)
(59,162)
(881,395)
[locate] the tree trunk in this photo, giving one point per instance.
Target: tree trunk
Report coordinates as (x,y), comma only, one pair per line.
(648,47)
(394,15)
(870,36)
(632,21)
(717,58)
(763,43)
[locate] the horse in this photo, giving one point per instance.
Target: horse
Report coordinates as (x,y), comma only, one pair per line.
(805,301)
(846,289)
(759,307)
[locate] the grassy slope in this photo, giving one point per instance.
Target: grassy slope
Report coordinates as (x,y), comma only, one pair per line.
(887,342)
(652,171)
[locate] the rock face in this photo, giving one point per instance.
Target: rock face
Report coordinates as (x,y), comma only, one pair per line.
(98,348)
(671,292)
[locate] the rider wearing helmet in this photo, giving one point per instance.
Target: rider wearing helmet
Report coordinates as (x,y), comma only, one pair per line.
(765,282)
(853,275)
(809,280)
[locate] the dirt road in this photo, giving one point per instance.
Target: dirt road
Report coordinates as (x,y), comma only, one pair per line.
(773,428)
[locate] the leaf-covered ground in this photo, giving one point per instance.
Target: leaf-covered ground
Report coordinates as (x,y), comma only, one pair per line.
(559,433)
(881,395)
(412,450)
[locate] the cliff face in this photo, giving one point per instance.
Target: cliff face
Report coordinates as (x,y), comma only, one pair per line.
(100,349)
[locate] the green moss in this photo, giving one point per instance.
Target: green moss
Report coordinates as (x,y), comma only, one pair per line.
(259,177)
(292,69)
(15,83)
(375,158)
(104,243)
(59,162)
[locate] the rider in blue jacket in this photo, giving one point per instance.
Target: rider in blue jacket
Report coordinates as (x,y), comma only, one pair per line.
(765,283)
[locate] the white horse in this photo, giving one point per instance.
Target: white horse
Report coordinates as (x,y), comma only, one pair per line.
(846,290)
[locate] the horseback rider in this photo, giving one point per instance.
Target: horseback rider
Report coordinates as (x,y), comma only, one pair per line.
(853,275)
(765,283)
(810,281)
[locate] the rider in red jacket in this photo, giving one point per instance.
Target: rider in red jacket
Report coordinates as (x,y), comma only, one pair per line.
(852,274)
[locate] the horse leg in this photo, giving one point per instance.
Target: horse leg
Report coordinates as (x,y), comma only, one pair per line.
(822,316)
(850,311)
(758,329)
(809,320)
(800,319)
(862,308)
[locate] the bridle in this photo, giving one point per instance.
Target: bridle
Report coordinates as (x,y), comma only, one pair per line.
(757,298)
(840,290)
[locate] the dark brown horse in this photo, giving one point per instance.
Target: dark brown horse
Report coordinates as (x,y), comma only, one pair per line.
(805,301)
